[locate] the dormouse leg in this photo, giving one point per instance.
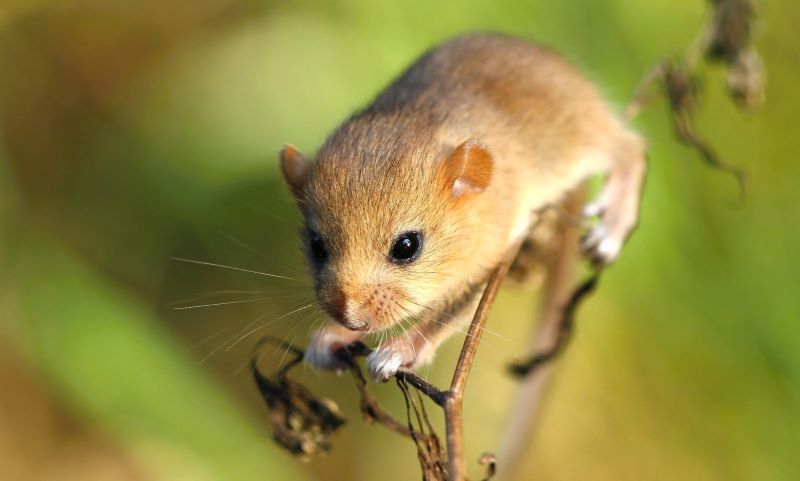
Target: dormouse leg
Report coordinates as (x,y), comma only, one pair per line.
(325,342)
(618,202)
(418,346)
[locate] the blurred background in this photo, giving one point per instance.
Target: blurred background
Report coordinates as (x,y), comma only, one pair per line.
(135,132)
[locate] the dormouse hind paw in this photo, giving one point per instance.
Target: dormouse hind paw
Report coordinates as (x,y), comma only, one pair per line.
(601,246)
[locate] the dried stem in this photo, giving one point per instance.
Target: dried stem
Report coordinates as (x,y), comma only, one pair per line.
(429,449)
(425,387)
(454,423)
(726,38)
(371,410)
(564,331)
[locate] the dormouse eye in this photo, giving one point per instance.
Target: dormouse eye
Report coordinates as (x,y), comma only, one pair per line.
(406,248)
(317,246)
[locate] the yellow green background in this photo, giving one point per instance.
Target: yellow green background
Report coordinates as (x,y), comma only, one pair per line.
(136,131)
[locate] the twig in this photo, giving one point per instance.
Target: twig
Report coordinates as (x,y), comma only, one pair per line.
(454,423)
(370,408)
(558,291)
(429,449)
(424,386)
(490,461)
(565,325)
(726,38)
(645,93)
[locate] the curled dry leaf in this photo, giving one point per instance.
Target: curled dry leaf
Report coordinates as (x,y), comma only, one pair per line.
(565,326)
(490,461)
(731,29)
(302,423)
(746,80)
(730,39)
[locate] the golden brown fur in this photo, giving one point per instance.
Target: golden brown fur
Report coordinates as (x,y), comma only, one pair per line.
(466,147)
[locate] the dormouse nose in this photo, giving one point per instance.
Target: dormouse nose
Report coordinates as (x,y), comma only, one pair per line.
(337,303)
(337,307)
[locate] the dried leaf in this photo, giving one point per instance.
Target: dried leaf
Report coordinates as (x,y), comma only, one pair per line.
(490,461)
(731,29)
(302,423)
(746,80)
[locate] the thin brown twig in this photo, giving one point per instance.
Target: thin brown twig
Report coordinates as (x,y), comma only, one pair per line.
(564,331)
(429,450)
(645,93)
(423,385)
(454,423)
(726,38)
(371,410)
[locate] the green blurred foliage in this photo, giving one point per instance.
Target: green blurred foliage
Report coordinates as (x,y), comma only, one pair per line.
(133,132)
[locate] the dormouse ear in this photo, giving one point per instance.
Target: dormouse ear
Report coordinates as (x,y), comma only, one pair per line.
(468,169)
(295,167)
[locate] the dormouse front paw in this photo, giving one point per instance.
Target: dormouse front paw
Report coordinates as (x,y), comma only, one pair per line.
(324,343)
(385,361)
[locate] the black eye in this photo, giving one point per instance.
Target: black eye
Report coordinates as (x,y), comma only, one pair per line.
(406,248)
(317,247)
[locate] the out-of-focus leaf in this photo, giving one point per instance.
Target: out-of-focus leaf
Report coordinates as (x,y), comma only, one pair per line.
(107,357)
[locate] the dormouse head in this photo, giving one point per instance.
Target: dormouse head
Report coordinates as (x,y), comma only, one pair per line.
(388,234)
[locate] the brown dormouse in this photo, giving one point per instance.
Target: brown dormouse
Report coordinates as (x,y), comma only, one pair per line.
(412,201)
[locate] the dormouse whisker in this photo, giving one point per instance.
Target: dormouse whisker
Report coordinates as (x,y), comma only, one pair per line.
(240,269)
(225,303)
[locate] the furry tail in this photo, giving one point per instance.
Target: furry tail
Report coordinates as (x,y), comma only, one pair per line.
(557,243)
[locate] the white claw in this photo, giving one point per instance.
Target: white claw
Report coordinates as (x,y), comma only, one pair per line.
(595,236)
(384,363)
(608,249)
(593,209)
(601,246)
